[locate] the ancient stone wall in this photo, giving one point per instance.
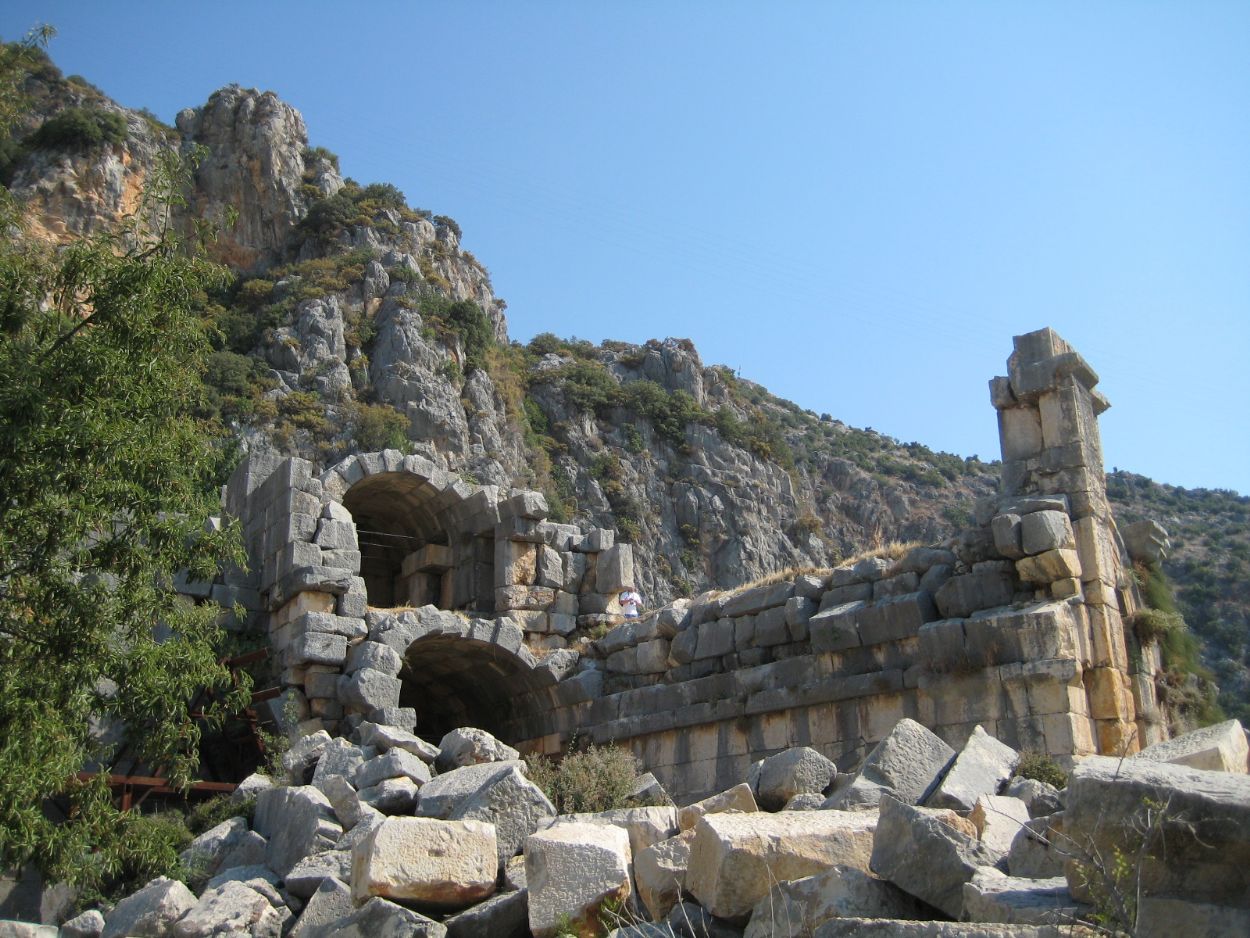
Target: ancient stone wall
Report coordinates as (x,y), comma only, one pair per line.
(393,591)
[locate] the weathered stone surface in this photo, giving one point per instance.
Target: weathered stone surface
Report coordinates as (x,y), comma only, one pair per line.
(331,901)
(981,768)
(805,801)
(367,690)
(645,826)
(259,877)
(1159,917)
(384,738)
(318,648)
(905,764)
(963,595)
(375,656)
(998,818)
(1204,822)
(298,821)
(738,798)
(691,920)
(897,928)
(513,804)
(339,758)
(571,870)
(251,786)
(88,925)
(442,864)
(228,844)
(343,799)
(308,874)
(379,918)
(1058,564)
(1041,531)
(150,912)
(735,858)
(504,915)
(1039,849)
(660,872)
(801,770)
(302,757)
(1219,748)
(391,795)
(12,928)
(991,896)
(800,906)
(443,794)
(1006,531)
(395,763)
(919,851)
(470,746)
(648,790)
(1043,799)
(231,909)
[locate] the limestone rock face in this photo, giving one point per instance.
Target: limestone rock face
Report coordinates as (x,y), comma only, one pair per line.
(905,764)
(645,826)
(231,909)
(571,871)
(228,844)
(150,912)
(255,165)
(1039,850)
(88,925)
(735,858)
(443,864)
(444,794)
(921,852)
(800,906)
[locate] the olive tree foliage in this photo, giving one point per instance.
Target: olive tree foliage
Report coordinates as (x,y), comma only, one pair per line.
(106,482)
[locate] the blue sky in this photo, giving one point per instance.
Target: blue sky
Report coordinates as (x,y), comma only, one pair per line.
(856,205)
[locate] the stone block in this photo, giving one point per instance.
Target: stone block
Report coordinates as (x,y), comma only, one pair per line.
(660,871)
(504,914)
(1038,850)
(379,918)
(367,690)
(801,770)
(318,648)
(513,804)
(524,597)
(906,764)
(297,821)
(927,853)
(339,759)
(433,863)
(1020,432)
(1046,530)
(390,796)
(960,596)
(516,563)
(614,569)
(468,745)
(982,767)
(801,906)
(1167,917)
(328,622)
(739,799)
(735,859)
(572,871)
(1058,564)
(394,763)
(998,818)
(1007,536)
(1218,748)
(896,617)
(308,875)
(896,585)
(231,909)
(331,901)
(836,628)
(991,896)
(756,599)
(714,639)
(445,793)
(839,595)
(549,567)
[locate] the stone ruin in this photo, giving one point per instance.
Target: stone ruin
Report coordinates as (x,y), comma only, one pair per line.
(393,591)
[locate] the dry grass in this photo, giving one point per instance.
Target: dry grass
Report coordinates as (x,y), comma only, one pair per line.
(780,576)
(890,550)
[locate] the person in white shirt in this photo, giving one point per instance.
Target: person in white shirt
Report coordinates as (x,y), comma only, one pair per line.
(631,603)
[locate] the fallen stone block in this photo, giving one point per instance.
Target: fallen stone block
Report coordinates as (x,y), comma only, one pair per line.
(309,873)
(998,818)
(1160,917)
(649,791)
(691,920)
(88,925)
(896,928)
(1196,824)
(441,864)
(379,918)
(738,798)
(805,801)
(367,690)
(513,804)
(150,912)
(1038,851)
(1041,531)
(645,826)
(800,906)
(228,844)
(991,896)
(343,799)
(390,796)
(981,768)
(801,770)
(298,821)
(922,852)
(470,746)
(505,915)
(385,738)
(1219,748)
(301,758)
(736,858)
(571,871)
(905,764)
(396,763)
(250,787)
(339,758)
(1042,798)
(231,909)
(660,872)
(331,901)
(443,794)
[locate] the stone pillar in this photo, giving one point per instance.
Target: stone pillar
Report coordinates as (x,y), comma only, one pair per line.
(1048,412)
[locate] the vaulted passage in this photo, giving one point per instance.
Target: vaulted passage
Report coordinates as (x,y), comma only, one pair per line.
(405,554)
(454,681)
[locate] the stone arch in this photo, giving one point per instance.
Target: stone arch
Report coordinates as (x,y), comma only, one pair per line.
(425,536)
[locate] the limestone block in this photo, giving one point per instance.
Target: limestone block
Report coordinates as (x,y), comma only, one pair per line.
(503,915)
(375,656)
(614,569)
(441,864)
(896,617)
(151,911)
(645,826)
(998,818)
(1042,798)
(367,690)
(228,844)
(1007,536)
(391,795)
(740,798)
(1110,695)
(332,900)
(395,763)
(516,563)
(981,768)
(513,804)
(298,821)
(1020,432)
(383,737)
(250,787)
(1039,849)
(339,758)
(836,628)
(470,746)
(923,853)
(736,858)
(991,896)
(88,925)
(660,871)
(652,656)
(302,757)
(1146,541)
(309,873)
(534,598)
(318,648)
(714,639)
(1058,564)
(1205,820)
(549,567)
(800,906)
(231,909)
(443,794)
(801,770)
(1046,530)
(756,599)
(683,647)
(744,632)
(1161,917)
(1219,748)
(961,596)
(571,870)
(896,585)
(343,799)
(905,764)
(851,592)
(379,918)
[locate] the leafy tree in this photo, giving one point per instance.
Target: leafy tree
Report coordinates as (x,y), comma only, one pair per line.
(107,481)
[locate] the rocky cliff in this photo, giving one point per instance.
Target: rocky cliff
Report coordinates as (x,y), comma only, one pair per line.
(356,321)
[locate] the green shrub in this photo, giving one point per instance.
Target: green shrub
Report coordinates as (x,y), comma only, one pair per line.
(209,813)
(449,223)
(463,320)
(380,426)
(80,128)
(595,779)
(1042,768)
